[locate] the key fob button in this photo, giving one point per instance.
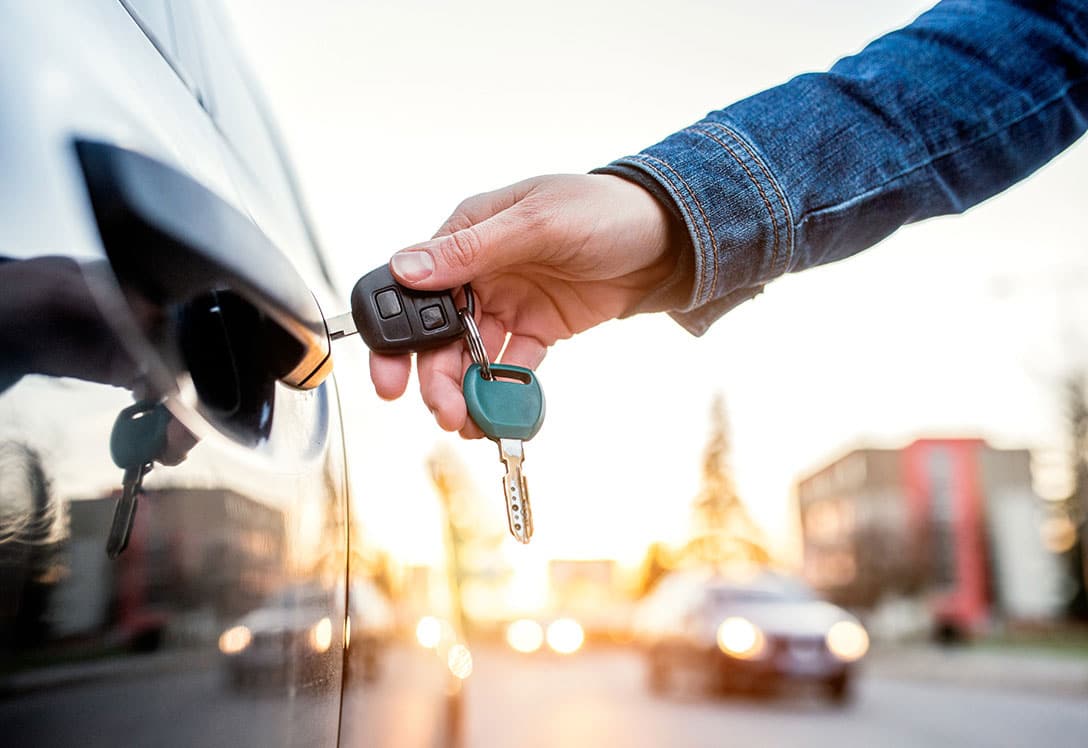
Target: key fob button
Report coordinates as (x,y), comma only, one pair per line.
(432,317)
(393,319)
(388,302)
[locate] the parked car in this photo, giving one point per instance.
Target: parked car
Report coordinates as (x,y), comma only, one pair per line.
(288,638)
(748,632)
(154,249)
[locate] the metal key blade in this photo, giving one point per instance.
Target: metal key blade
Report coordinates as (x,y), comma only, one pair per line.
(341,326)
(519,515)
(125,512)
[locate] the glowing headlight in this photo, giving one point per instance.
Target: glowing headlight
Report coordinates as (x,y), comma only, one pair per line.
(321,635)
(565,635)
(429,632)
(847,641)
(524,635)
(234,640)
(740,638)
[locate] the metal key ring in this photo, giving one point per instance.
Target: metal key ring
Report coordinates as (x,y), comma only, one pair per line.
(475,343)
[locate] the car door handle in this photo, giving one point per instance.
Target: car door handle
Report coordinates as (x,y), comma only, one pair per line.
(176,239)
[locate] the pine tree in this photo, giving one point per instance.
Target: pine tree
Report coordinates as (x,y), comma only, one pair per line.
(723,529)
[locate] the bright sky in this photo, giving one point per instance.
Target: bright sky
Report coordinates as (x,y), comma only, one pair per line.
(395,111)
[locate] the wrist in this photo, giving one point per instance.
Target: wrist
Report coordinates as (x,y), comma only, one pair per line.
(667,274)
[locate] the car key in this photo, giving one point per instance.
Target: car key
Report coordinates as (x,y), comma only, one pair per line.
(509,413)
(393,319)
(138,437)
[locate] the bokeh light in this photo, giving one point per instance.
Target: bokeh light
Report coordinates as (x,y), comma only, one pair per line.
(525,635)
(848,641)
(565,635)
(739,637)
(429,632)
(459,661)
(234,640)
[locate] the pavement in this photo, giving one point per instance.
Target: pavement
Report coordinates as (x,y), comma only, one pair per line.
(1036,671)
(600,699)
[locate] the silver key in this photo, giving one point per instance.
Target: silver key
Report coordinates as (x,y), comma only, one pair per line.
(341,326)
(519,515)
(125,512)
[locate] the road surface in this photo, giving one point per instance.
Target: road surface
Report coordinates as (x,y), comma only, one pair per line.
(599,699)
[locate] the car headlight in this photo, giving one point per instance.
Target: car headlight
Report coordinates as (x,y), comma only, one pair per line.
(321,636)
(847,641)
(565,635)
(234,640)
(524,636)
(740,638)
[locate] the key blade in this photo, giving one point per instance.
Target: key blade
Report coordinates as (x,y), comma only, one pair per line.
(124,514)
(341,326)
(519,516)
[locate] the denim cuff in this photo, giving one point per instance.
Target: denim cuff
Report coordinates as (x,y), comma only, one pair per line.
(735,213)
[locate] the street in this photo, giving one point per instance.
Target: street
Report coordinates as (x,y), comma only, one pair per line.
(600,699)
(589,700)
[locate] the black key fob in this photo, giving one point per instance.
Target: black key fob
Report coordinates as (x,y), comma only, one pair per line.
(393,319)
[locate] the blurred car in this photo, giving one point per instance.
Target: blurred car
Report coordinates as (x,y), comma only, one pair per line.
(154,247)
(292,631)
(748,633)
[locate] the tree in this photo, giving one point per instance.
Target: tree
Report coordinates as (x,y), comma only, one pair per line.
(723,529)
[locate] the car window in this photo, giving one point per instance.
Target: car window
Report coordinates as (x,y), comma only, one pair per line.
(731,595)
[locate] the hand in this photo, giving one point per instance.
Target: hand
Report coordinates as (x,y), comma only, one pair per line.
(548,258)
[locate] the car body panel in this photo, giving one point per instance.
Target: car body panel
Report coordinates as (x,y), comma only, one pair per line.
(95,651)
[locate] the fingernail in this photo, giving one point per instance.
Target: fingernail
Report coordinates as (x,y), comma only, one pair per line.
(413,265)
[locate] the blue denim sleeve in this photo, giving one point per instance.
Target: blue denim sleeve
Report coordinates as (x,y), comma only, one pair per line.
(931,119)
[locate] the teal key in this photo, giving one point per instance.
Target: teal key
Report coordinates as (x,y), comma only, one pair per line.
(509,409)
(137,439)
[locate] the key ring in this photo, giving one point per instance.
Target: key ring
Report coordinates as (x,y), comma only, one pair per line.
(472,333)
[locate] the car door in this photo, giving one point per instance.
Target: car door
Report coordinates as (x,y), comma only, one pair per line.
(133,269)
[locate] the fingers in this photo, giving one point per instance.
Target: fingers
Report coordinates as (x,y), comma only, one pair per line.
(511,236)
(524,350)
(440,386)
(389,374)
(440,375)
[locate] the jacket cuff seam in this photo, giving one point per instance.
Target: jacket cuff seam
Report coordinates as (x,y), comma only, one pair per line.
(782,226)
(705,245)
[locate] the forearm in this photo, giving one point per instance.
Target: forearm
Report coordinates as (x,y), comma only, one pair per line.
(928,120)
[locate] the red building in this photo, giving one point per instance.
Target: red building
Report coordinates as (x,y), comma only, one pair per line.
(952,521)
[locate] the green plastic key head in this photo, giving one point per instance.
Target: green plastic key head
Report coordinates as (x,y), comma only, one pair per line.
(139,434)
(510,405)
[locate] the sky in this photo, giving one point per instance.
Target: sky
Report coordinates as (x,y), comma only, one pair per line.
(393,112)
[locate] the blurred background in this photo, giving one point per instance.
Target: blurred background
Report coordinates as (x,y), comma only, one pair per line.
(903,434)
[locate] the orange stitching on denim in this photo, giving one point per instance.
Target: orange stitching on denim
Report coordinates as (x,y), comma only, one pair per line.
(759,188)
(766,173)
(702,213)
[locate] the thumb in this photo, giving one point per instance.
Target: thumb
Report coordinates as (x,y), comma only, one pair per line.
(505,239)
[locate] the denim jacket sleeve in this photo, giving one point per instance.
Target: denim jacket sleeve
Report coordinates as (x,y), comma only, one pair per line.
(930,119)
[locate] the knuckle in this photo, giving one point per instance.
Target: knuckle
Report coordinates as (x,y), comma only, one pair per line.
(461,248)
(459,220)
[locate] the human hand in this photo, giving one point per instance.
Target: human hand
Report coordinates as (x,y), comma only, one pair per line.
(548,258)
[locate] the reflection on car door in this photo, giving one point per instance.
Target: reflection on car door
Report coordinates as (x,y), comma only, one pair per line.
(222,623)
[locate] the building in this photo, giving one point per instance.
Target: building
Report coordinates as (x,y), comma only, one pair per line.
(953,522)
